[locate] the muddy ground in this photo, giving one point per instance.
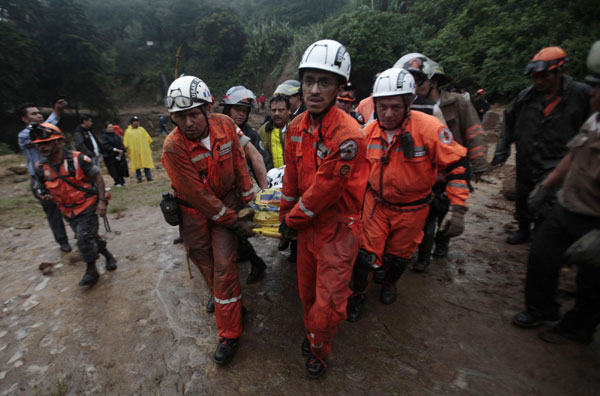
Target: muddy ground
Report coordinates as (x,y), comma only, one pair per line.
(143,329)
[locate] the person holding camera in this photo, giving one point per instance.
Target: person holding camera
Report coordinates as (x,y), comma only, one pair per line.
(74,183)
(30,114)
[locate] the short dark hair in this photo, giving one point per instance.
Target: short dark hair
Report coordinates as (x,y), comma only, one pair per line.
(84,117)
(107,123)
(22,109)
(280,98)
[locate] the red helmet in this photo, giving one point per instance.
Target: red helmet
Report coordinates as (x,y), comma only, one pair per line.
(45,132)
(547,59)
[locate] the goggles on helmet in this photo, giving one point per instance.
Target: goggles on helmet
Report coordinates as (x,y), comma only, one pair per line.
(542,65)
(42,133)
(347,95)
(182,102)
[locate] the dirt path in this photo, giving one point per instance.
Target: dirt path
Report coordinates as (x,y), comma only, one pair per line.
(143,328)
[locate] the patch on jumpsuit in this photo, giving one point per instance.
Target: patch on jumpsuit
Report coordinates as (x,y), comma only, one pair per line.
(348,150)
(446,136)
(344,170)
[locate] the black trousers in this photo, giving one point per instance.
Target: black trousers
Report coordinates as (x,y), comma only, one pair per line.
(116,169)
(55,219)
(552,238)
(85,225)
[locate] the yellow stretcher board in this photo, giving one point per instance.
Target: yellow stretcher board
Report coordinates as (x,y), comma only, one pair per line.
(266,212)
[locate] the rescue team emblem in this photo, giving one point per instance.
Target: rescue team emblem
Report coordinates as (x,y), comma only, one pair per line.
(344,170)
(47,173)
(446,136)
(348,150)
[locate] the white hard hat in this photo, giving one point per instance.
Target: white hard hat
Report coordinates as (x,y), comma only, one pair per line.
(239,95)
(327,55)
(405,58)
(288,87)
(393,82)
(185,93)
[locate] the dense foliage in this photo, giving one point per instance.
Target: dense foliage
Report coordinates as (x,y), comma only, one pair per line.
(103,54)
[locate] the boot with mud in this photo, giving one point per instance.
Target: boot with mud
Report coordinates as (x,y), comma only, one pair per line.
(315,367)
(421,264)
(306,347)
(257,269)
(441,246)
(355,305)
(225,350)
(521,235)
(111,262)
(210,305)
(91,275)
(396,267)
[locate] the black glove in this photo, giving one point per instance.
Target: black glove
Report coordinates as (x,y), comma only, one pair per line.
(538,198)
(287,232)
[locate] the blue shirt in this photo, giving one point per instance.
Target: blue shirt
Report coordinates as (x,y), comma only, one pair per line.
(29,149)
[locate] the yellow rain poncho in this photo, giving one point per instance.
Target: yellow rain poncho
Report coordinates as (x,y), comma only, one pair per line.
(137,142)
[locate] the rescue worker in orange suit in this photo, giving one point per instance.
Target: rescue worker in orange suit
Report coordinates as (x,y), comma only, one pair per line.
(462,120)
(323,189)
(406,150)
(74,183)
(207,168)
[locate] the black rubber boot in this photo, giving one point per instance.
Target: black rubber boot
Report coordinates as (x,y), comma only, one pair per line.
(421,265)
(91,275)
(210,305)
(257,270)
(315,367)
(283,244)
(521,235)
(293,252)
(355,306)
(225,351)
(396,267)
(441,246)
(111,262)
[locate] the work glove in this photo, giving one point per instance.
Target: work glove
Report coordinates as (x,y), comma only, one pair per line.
(538,198)
(243,226)
(454,222)
(585,252)
(287,232)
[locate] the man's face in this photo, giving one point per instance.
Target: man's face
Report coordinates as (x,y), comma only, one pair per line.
(49,148)
(345,105)
(295,102)
(280,114)
(239,114)
(191,122)
(595,98)
(546,82)
(135,124)
(423,89)
(390,111)
(110,128)
(33,115)
(87,124)
(319,89)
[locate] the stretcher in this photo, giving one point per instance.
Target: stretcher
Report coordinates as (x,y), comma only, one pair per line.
(266,212)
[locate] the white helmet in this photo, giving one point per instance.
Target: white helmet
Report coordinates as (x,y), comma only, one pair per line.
(288,88)
(186,93)
(392,82)
(327,55)
(405,58)
(593,64)
(275,177)
(239,95)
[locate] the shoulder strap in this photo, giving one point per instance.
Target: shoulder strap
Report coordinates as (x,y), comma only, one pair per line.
(70,183)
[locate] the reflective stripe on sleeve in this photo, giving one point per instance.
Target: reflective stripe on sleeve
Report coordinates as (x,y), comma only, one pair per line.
(218,215)
(228,301)
(297,139)
(200,157)
(247,193)
(375,147)
(305,209)
(289,199)
(458,185)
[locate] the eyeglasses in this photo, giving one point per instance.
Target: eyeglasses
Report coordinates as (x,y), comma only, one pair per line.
(322,82)
(180,101)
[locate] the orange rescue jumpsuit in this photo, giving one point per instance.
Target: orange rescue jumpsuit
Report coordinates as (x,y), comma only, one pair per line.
(213,184)
(390,226)
(365,108)
(323,190)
